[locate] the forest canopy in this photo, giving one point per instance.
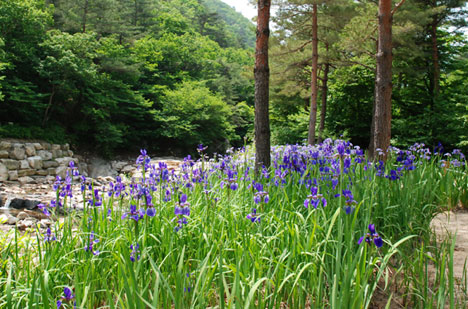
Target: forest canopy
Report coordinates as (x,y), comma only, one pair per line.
(168,75)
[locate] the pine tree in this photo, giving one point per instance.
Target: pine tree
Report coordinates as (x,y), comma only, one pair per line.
(262,75)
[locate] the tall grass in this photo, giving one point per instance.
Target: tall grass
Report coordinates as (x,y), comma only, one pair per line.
(224,254)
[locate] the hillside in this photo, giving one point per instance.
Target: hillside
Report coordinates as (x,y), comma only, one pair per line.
(235,21)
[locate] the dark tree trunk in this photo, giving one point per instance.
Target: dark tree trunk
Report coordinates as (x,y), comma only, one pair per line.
(262,76)
(435,81)
(85,16)
(313,81)
(135,17)
(382,117)
(323,110)
(435,59)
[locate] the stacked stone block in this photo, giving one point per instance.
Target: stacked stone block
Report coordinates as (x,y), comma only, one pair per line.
(29,162)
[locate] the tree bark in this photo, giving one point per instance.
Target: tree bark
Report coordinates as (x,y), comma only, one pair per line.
(435,82)
(262,76)
(382,118)
(85,16)
(313,81)
(135,17)
(323,110)
(435,58)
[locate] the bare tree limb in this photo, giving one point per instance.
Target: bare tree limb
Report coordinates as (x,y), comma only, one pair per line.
(397,6)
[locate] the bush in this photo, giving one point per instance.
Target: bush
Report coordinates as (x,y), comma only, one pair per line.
(191,115)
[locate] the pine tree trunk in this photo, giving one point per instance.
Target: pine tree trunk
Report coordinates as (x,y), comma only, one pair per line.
(135,16)
(435,59)
(313,81)
(323,110)
(85,16)
(382,118)
(435,83)
(262,75)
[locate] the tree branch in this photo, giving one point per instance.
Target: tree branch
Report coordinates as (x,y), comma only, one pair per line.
(397,6)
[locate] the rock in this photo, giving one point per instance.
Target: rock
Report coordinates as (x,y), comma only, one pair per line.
(13,175)
(38,146)
(22,225)
(61,171)
(106,179)
(5,145)
(35,162)
(99,167)
(3,218)
(70,153)
(22,215)
(24,164)
(19,203)
(3,199)
(4,154)
(116,165)
(46,146)
(25,180)
(56,147)
(65,161)
(42,172)
(56,153)
(11,164)
(50,179)
(83,168)
(45,155)
(28,172)
(39,179)
(46,222)
(48,164)
(30,149)
(65,147)
(51,171)
(3,173)
(128,169)
(35,214)
(12,220)
(18,152)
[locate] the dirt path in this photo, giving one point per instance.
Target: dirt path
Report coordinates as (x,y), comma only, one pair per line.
(451,223)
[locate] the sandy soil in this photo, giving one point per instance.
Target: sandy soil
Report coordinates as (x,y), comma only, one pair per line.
(455,223)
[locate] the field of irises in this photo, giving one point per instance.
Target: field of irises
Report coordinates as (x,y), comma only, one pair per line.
(323,227)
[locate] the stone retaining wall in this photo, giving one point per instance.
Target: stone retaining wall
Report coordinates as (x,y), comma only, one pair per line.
(27,162)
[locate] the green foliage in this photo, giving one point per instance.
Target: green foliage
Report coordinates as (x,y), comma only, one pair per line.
(347,33)
(192,115)
(223,252)
(236,23)
(53,133)
(350,108)
(109,69)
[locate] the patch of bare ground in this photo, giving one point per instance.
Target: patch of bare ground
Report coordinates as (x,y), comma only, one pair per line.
(446,225)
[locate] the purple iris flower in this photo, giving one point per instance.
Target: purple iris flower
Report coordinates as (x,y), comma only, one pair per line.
(49,237)
(372,236)
(182,210)
(135,254)
(134,214)
(44,209)
(201,148)
(260,195)
(150,212)
(253,216)
(97,199)
(68,296)
(314,199)
(90,246)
